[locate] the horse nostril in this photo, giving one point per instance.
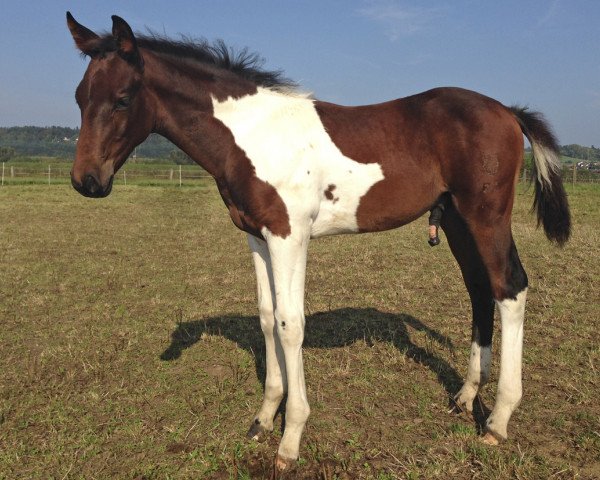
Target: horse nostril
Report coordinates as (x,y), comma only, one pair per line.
(91,185)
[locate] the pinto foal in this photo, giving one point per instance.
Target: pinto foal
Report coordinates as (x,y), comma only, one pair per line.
(290,168)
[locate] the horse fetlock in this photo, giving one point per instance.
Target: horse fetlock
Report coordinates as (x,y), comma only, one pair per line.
(464,398)
(508,401)
(497,422)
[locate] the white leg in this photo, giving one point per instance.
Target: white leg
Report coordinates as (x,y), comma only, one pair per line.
(275,381)
(509,394)
(478,374)
(288,259)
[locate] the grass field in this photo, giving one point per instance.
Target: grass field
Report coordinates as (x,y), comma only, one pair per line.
(130,346)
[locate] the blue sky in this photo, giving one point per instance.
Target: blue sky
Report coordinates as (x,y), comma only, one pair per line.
(541,53)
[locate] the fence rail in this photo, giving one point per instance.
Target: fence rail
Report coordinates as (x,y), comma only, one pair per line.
(61,173)
(187,174)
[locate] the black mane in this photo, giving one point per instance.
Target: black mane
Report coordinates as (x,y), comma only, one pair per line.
(245,64)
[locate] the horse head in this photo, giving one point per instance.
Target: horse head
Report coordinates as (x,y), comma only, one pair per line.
(116,109)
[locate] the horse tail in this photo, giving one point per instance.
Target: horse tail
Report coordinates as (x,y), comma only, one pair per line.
(550,201)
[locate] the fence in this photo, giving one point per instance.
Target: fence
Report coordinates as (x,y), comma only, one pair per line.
(133,174)
(570,175)
(179,175)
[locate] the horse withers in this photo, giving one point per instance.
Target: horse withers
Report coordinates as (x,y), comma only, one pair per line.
(291,168)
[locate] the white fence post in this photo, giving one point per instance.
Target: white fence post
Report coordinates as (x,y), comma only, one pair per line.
(180,175)
(48,174)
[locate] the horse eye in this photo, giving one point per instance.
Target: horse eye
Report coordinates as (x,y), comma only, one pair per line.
(123,103)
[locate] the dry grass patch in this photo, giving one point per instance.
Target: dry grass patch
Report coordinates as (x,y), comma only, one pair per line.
(130,346)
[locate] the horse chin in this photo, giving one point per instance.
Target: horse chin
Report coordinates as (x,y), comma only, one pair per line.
(97,192)
(108,188)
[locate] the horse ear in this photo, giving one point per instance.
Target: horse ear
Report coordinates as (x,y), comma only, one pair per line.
(85,39)
(126,42)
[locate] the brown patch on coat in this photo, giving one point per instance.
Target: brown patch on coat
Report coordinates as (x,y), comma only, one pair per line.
(425,144)
(253,204)
(374,134)
(329,193)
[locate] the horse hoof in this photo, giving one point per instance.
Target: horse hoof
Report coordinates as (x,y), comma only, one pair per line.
(490,439)
(462,407)
(283,464)
(461,404)
(257,432)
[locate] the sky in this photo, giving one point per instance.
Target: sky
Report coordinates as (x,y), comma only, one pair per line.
(540,53)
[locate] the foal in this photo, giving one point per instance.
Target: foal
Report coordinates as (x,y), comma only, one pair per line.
(290,168)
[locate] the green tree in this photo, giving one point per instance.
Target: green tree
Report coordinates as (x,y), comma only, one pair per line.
(180,158)
(6,153)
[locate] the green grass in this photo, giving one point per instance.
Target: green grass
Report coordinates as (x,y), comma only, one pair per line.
(130,346)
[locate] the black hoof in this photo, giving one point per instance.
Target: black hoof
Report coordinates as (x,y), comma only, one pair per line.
(257,431)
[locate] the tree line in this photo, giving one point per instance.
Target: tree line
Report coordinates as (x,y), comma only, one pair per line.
(583,153)
(61,142)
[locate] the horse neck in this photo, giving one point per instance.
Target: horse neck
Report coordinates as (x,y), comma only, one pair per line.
(183,93)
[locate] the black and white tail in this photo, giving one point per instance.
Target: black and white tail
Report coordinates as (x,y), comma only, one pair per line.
(550,200)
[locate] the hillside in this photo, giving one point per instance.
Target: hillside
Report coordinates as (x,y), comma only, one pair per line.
(61,142)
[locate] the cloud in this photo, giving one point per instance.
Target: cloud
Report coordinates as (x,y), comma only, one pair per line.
(549,15)
(398,19)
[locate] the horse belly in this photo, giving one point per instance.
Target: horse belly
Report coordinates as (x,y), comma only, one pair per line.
(396,201)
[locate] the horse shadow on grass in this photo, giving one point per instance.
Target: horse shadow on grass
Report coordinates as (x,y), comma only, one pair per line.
(332,329)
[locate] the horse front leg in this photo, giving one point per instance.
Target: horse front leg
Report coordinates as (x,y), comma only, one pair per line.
(275,381)
(288,258)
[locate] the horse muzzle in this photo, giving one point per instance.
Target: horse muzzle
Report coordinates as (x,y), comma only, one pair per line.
(89,186)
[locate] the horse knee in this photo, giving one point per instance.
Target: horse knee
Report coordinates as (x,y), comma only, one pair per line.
(290,327)
(267,318)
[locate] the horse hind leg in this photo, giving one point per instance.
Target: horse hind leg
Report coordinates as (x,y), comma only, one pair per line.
(477,282)
(512,312)
(494,275)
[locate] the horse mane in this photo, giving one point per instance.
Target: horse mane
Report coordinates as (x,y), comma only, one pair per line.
(243,63)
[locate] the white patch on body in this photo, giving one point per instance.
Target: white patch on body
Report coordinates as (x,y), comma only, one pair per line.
(283,137)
